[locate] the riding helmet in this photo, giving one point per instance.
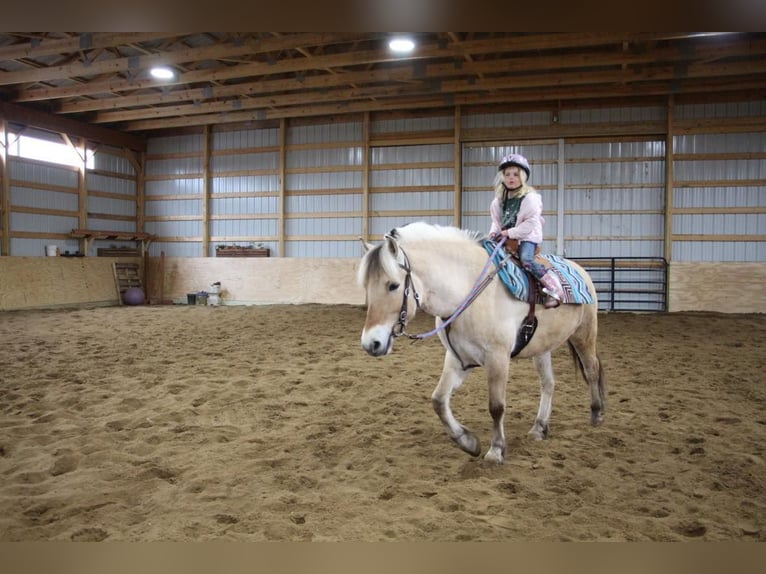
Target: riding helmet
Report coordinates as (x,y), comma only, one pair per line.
(514,159)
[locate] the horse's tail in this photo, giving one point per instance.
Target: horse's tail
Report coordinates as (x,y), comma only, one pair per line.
(580,367)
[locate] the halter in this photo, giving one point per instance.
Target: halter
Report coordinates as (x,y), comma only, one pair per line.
(481,283)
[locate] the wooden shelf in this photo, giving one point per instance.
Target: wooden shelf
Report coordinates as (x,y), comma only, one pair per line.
(243,252)
(88,236)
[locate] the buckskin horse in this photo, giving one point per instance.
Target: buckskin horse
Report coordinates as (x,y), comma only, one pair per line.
(434,269)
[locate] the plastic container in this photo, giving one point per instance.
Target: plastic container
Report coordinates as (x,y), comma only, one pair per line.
(51,250)
(191,298)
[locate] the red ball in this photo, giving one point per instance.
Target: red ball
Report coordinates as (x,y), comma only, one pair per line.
(133,296)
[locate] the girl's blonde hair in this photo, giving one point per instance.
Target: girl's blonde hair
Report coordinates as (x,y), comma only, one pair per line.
(500,186)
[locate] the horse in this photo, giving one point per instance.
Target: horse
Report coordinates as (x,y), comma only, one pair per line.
(432,268)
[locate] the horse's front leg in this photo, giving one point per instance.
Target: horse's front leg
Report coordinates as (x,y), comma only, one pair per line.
(497,381)
(452,377)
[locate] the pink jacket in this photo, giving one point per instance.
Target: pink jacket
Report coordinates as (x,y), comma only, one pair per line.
(529,222)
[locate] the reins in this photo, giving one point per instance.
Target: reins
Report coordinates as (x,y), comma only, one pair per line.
(481,283)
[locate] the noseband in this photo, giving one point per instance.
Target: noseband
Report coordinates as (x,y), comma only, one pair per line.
(408,286)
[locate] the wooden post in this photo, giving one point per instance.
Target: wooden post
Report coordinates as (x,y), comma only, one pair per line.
(366,177)
(5,192)
(282,184)
(669,182)
(206,134)
(458,169)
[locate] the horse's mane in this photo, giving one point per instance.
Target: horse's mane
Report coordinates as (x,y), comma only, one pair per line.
(422,231)
(419,231)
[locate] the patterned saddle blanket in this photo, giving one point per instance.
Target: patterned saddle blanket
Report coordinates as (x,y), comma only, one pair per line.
(517,280)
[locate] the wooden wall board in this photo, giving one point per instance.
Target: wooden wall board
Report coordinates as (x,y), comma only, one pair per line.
(42,282)
(265,280)
(723,287)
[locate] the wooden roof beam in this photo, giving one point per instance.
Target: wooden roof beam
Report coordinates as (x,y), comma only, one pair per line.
(31,117)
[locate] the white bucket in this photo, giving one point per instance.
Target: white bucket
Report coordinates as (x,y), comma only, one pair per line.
(214,289)
(213,299)
(51,250)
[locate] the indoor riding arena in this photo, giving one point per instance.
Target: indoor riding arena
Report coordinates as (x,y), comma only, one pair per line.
(181,319)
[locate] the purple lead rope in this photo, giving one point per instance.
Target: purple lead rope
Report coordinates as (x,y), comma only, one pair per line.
(476,290)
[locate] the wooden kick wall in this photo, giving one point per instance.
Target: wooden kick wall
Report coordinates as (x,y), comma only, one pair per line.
(44,282)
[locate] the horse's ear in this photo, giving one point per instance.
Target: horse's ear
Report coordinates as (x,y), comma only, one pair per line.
(392,245)
(366,246)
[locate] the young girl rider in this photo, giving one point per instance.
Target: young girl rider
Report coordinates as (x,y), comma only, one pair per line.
(517,213)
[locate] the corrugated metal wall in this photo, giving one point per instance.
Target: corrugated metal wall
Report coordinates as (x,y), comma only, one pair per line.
(45,200)
(603,196)
(174,195)
(323,189)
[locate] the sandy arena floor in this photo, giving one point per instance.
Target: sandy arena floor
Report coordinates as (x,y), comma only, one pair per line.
(271,423)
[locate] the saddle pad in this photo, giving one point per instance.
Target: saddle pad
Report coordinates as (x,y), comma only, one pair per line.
(517,280)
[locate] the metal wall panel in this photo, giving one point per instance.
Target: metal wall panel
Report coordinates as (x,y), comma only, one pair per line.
(243,228)
(504,120)
(612,115)
(433,200)
(244,184)
(327,180)
(325,133)
(243,205)
(111,206)
(174,166)
(712,251)
(174,187)
(296,227)
(741,186)
(412,154)
(23,247)
(43,174)
(240,139)
(341,156)
(42,222)
(170,208)
(323,203)
(721,110)
(605,184)
(98,182)
(112,225)
(412,125)
(43,199)
(174,144)
(244,162)
(323,249)
(114,162)
(175,249)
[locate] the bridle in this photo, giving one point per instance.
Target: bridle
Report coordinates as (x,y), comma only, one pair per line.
(479,286)
(408,286)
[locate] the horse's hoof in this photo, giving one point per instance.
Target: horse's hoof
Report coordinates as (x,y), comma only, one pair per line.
(495,455)
(469,443)
(596,419)
(539,431)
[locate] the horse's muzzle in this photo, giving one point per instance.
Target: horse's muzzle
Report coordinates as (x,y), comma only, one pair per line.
(377,342)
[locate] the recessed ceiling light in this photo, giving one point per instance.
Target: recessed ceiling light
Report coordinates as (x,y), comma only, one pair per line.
(401,45)
(162,73)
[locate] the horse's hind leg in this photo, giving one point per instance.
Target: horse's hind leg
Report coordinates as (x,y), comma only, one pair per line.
(544,366)
(589,364)
(452,377)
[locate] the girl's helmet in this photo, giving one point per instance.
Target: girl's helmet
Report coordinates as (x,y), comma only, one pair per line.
(514,159)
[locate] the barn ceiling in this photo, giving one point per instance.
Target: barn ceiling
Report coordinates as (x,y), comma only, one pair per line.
(103,78)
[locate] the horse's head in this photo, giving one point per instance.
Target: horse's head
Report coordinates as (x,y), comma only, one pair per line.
(385,275)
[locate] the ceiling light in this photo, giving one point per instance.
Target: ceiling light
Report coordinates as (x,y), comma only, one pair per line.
(401,45)
(162,73)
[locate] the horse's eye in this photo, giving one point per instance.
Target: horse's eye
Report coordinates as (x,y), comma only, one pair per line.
(393,286)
